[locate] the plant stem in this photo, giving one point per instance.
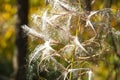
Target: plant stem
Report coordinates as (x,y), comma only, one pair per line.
(72,66)
(73,59)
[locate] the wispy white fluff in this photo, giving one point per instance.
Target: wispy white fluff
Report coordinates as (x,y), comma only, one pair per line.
(35,19)
(47,44)
(39,48)
(67,6)
(44,19)
(55,2)
(46,55)
(65,75)
(54,17)
(90,75)
(48,20)
(60,66)
(117,33)
(88,22)
(92,13)
(33,32)
(67,51)
(73,70)
(93,1)
(77,43)
(67,46)
(69,22)
(36,52)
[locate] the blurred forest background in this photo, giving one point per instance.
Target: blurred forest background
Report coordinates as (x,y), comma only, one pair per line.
(8,11)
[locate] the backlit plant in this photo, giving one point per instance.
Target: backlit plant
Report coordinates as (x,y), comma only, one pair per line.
(72,38)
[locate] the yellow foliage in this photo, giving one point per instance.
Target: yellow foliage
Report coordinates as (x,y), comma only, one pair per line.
(7,7)
(42,3)
(6,16)
(3,43)
(100,71)
(114,7)
(1,19)
(9,33)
